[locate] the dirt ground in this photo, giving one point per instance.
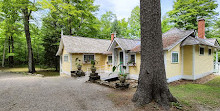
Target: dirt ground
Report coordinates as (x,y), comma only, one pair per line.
(20,92)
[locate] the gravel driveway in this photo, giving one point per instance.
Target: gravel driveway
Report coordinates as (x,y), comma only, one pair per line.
(29,93)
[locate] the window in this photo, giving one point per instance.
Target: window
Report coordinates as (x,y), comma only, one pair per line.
(109,59)
(132,59)
(175,57)
(66,58)
(210,51)
(88,58)
(201,51)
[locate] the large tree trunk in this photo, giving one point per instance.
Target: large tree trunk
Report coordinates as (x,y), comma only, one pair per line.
(152,84)
(31,66)
(3,58)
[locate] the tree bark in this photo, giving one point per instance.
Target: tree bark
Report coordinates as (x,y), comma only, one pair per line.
(31,66)
(152,83)
(3,58)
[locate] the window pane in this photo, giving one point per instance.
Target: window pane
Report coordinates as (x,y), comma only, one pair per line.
(174,57)
(201,50)
(88,58)
(65,58)
(109,59)
(210,51)
(132,59)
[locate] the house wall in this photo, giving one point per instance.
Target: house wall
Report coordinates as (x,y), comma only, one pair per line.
(173,70)
(136,69)
(188,60)
(108,67)
(66,66)
(100,58)
(203,63)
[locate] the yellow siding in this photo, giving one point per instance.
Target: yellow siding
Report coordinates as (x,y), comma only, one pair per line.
(203,63)
(173,69)
(86,66)
(136,69)
(108,67)
(188,59)
(65,65)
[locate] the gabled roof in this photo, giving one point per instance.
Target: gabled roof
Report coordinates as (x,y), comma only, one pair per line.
(174,36)
(170,39)
(198,41)
(74,44)
(125,44)
(213,41)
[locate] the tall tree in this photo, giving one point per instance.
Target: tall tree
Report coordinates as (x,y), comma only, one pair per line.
(106,24)
(51,36)
(76,16)
(185,13)
(165,24)
(26,8)
(152,84)
(134,23)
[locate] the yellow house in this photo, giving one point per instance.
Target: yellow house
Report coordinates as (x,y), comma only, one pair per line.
(85,49)
(186,56)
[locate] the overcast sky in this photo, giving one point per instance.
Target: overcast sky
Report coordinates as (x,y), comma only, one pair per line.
(123,8)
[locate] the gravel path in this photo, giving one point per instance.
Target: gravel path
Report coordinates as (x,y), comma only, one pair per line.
(29,93)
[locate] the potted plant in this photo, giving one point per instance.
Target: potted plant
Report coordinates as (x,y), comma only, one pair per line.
(131,63)
(93,68)
(78,64)
(121,75)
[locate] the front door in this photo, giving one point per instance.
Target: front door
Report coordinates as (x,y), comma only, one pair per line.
(121,57)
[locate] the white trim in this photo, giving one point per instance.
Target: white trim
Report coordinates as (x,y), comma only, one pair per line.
(61,64)
(188,77)
(172,46)
(124,58)
(129,57)
(113,57)
(193,62)
(67,57)
(84,58)
(175,78)
(67,73)
(107,60)
(197,76)
(70,62)
(203,52)
(133,76)
(182,67)
(172,57)
(165,59)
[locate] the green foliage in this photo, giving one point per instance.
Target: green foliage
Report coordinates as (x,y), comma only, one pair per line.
(134,28)
(185,13)
(165,24)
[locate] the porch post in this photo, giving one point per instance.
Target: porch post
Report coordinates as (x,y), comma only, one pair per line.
(113,57)
(216,62)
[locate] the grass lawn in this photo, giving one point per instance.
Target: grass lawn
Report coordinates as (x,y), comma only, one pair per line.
(199,96)
(45,72)
(192,97)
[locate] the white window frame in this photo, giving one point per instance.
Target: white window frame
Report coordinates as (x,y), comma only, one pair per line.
(176,52)
(134,57)
(208,51)
(65,55)
(200,51)
(108,61)
(84,58)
